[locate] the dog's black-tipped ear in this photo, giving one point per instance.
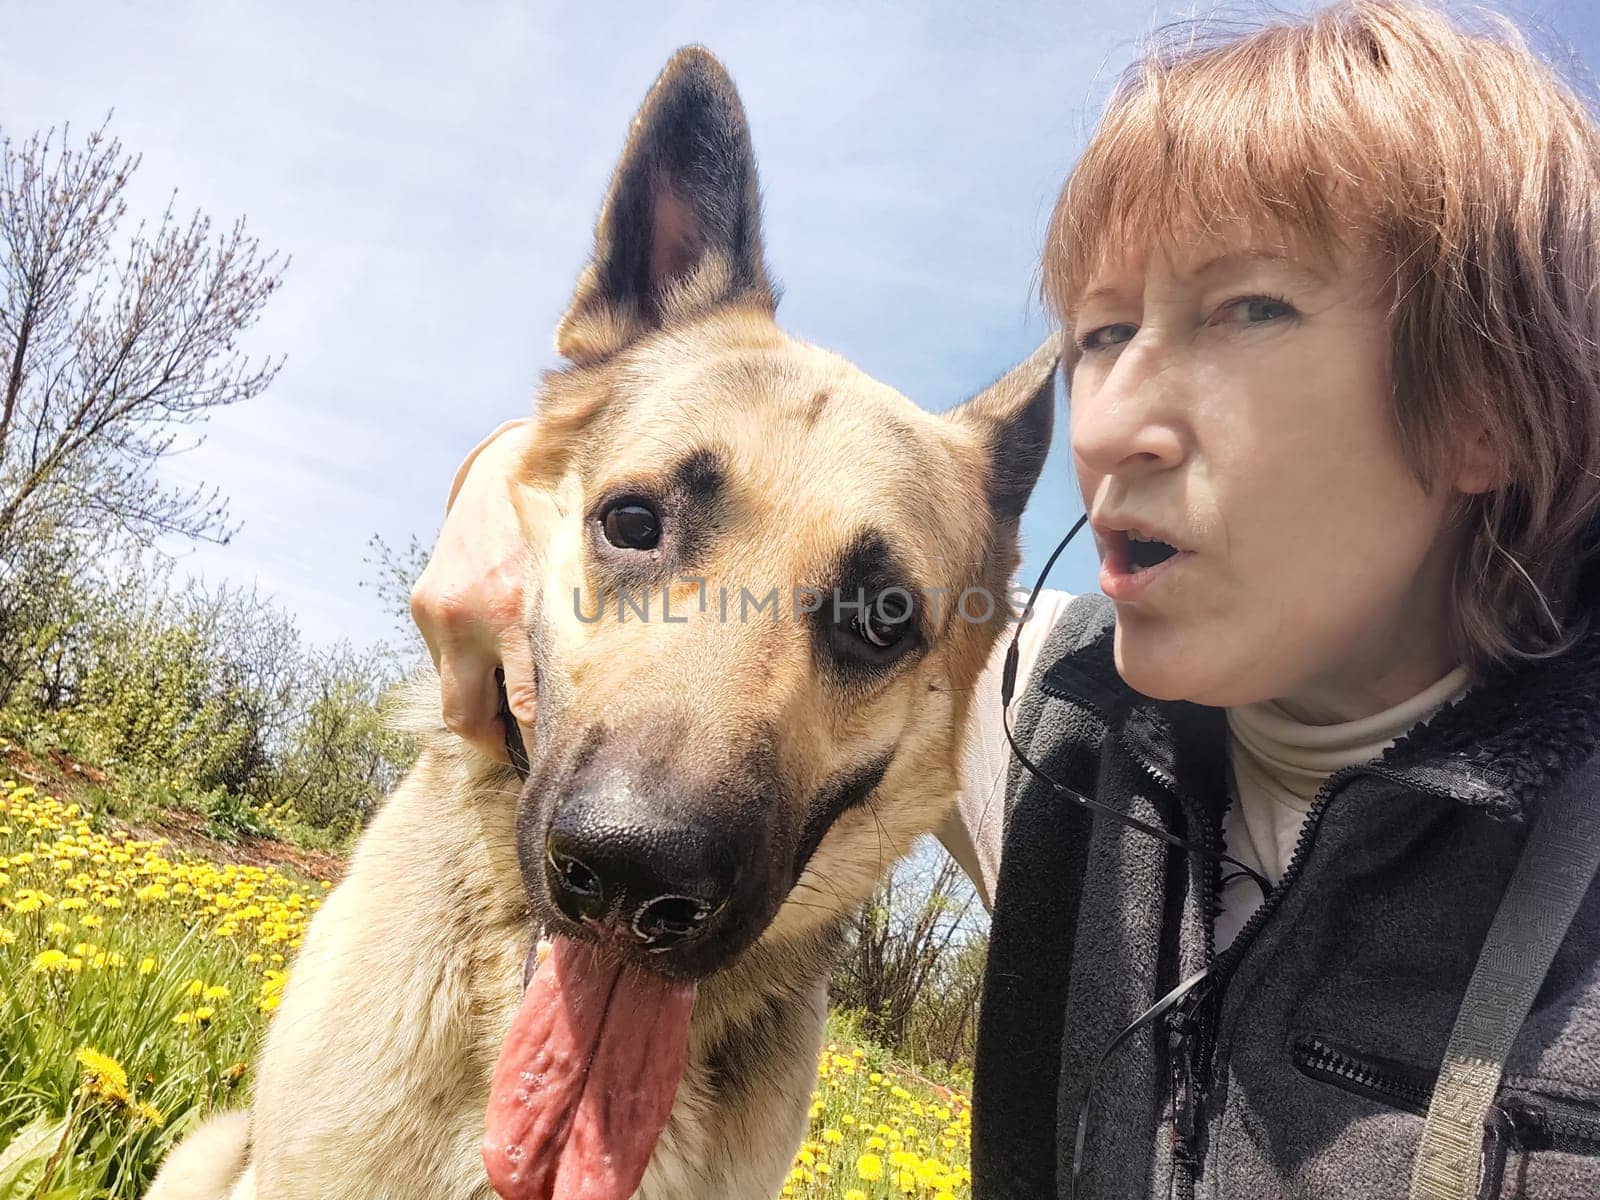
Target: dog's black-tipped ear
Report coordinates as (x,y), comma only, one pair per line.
(681,228)
(1014,416)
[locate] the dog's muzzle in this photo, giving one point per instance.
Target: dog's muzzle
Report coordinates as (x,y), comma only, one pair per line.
(662,864)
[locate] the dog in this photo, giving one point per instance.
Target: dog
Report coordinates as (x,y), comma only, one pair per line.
(716,780)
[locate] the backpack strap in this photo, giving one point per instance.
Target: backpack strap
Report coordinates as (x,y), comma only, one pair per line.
(1552,876)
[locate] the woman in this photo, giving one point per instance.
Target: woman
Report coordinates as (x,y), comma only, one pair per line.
(1333,301)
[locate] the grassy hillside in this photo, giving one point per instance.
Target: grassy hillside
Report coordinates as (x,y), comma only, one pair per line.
(136,980)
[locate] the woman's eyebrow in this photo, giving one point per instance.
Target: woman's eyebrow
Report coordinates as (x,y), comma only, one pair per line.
(1106,291)
(1217,264)
(1235,259)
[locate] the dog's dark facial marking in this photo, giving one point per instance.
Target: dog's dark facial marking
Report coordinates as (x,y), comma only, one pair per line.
(754,1052)
(647,532)
(729,1068)
(699,476)
(872,615)
(835,798)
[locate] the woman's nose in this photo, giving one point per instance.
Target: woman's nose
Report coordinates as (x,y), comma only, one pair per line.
(1131,418)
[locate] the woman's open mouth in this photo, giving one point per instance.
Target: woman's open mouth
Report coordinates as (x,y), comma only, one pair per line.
(1133,564)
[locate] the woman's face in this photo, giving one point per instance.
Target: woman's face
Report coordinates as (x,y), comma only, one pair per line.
(1234,401)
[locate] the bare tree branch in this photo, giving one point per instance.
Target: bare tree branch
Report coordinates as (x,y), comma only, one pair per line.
(105,355)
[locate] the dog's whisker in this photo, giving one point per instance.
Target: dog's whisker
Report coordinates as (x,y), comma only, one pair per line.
(833,886)
(842,904)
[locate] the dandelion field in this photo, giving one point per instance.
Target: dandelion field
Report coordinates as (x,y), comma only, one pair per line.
(135,987)
(872,1136)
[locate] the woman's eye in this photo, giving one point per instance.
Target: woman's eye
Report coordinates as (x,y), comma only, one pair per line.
(1256,310)
(632,526)
(1107,335)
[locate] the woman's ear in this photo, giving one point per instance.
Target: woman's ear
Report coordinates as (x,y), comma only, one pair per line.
(1478,465)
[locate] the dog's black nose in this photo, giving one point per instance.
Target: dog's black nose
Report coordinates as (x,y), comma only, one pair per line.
(658,881)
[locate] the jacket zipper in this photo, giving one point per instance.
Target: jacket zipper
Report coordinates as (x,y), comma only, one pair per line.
(1187,1032)
(1533,1123)
(1387,1084)
(1225,963)
(1191,1026)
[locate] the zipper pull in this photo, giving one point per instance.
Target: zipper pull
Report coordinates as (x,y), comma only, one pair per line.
(1525,1126)
(1182,1045)
(1510,1125)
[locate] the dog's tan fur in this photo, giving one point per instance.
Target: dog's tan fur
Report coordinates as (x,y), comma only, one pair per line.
(374,1076)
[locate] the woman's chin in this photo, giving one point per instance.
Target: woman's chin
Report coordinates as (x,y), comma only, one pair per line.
(1167,664)
(1165,667)
(1149,663)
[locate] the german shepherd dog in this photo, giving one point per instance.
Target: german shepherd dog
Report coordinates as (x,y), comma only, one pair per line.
(610,979)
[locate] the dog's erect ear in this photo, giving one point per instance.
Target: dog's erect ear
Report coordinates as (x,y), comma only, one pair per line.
(681,228)
(1014,416)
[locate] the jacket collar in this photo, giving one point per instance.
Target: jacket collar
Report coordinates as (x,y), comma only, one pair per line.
(1500,747)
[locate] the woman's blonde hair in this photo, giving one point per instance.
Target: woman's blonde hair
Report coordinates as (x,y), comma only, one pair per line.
(1458,161)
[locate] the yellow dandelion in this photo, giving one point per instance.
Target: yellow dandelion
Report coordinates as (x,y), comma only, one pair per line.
(103,1075)
(869,1167)
(50,960)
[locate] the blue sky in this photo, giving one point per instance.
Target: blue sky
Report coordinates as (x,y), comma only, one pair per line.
(434,173)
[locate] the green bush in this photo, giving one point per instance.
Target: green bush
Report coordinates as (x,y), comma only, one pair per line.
(202,698)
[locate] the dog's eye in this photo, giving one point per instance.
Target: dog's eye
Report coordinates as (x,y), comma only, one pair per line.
(632,526)
(885,622)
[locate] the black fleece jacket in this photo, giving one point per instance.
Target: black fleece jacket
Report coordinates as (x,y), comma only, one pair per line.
(1305,1070)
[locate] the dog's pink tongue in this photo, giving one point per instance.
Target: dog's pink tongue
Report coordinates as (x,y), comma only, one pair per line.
(586,1078)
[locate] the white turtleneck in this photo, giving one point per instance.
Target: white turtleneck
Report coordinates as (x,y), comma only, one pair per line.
(1276,766)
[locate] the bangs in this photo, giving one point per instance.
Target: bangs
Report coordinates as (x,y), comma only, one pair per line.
(1343,128)
(1199,150)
